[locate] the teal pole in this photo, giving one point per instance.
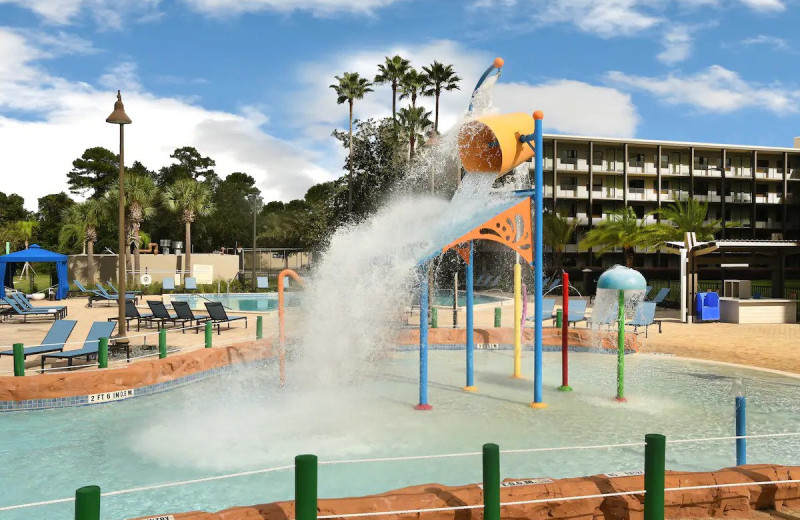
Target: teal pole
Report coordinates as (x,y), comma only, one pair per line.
(102,353)
(305,487)
(259,327)
(559,318)
(491,482)
(654,452)
(209,334)
(87,503)
(162,343)
(498,314)
(434,318)
(19,359)
(423,342)
(621,348)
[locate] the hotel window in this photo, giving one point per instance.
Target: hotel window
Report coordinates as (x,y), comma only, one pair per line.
(570,156)
(639,210)
(665,187)
(664,160)
(597,160)
(636,185)
(597,184)
(701,188)
(597,210)
(762,165)
(761,188)
(636,160)
(701,162)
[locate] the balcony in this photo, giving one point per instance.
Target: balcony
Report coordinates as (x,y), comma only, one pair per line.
(573,192)
(769,173)
(769,198)
(570,248)
(739,197)
(707,172)
(740,173)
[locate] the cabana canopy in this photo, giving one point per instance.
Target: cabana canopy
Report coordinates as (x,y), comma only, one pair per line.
(34,253)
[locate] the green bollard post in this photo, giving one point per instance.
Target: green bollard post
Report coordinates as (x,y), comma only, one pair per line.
(559,318)
(19,360)
(259,327)
(621,348)
(87,503)
(491,482)
(434,318)
(305,487)
(498,314)
(162,343)
(654,452)
(209,333)
(102,353)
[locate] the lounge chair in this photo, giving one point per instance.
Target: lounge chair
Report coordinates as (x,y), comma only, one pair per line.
(217,315)
(190,283)
(552,285)
(132,313)
(645,315)
(577,311)
(115,296)
(115,291)
(17,310)
(53,342)
(707,306)
(548,304)
(100,329)
(184,312)
(167,284)
(25,303)
(262,282)
(661,295)
(162,315)
(94,295)
(647,291)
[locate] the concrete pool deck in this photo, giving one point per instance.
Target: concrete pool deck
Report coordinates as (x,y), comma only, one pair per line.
(770,346)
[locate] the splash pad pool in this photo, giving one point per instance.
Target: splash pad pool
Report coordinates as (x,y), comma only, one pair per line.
(347,393)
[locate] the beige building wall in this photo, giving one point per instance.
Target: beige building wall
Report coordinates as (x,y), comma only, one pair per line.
(224,267)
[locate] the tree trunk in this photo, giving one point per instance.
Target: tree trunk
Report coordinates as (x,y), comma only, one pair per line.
(137,241)
(350,164)
(188,249)
(394,106)
(411,140)
(414,99)
(90,261)
(629,252)
(436,118)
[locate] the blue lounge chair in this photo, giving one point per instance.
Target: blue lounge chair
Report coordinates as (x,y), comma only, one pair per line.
(552,285)
(108,296)
(217,315)
(167,284)
(661,295)
(645,315)
(548,304)
(17,310)
(94,295)
(115,291)
(577,311)
(707,306)
(262,282)
(190,283)
(100,329)
(53,342)
(132,313)
(479,281)
(647,291)
(26,304)
(161,314)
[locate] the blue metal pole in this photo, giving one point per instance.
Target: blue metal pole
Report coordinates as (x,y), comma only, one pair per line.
(538,197)
(470,321)
(423,340)
(741,431)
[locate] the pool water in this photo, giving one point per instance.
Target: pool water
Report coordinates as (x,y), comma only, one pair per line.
(252,302)
(444,298)
(243,420)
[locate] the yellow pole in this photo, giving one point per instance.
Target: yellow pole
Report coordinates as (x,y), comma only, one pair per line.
(517,321)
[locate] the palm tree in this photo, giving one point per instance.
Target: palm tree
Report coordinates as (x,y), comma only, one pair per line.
(557,231)
(351,86)
(140,198)
(689,216)
(392,72)
(415,121)
(80,223)
(439,77)
(412,85)
(192,199)
(620,229)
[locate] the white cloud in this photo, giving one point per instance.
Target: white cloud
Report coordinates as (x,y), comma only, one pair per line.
(770,41)
(316,7)
(106,13)
(765,5)
(714,89)
(68,117)
(570,106)
(677,45)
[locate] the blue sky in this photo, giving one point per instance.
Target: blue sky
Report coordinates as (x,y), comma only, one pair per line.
(246,81)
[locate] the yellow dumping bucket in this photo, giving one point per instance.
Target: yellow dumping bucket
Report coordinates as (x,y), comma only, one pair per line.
(491,143)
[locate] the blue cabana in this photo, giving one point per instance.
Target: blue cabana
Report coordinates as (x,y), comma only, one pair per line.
(34,253)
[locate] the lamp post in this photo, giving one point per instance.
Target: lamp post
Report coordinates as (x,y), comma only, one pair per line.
(119,117)
(254,200)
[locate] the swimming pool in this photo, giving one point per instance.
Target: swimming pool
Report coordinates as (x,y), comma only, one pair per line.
(243,421)
(444,298)
(251,302)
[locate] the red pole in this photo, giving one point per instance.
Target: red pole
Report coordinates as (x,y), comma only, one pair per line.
(565,334)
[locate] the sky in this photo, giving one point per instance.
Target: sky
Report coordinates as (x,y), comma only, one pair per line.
(246,82)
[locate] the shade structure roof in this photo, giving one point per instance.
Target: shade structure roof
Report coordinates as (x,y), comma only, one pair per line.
(34,253)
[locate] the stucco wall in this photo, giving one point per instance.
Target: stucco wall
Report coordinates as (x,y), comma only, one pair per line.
(224,267)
